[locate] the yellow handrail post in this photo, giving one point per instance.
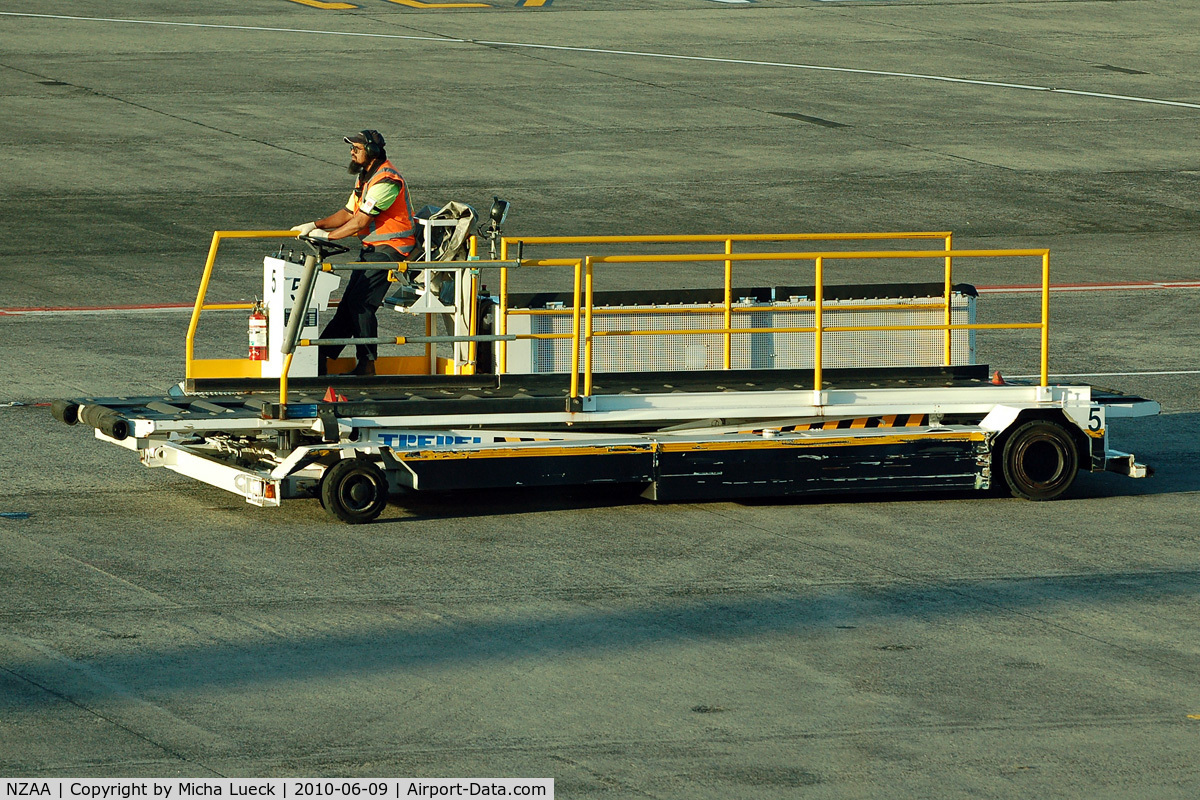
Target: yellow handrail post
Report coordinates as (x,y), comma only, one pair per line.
(575,331)
(1046,319)
(819,291)
(430,348)
(502,313)
(472,347)
(190,347)
(283,378)
(587,338)
(728,305)
(949,284)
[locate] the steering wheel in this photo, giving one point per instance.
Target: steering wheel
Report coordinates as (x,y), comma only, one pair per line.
(324,247)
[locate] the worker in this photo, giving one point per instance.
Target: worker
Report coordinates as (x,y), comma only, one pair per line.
(379,210)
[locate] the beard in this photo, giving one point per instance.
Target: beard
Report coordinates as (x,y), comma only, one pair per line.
(354,168)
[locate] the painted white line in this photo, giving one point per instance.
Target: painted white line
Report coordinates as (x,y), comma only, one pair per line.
(631,53)
(1091,287)
(1110,374)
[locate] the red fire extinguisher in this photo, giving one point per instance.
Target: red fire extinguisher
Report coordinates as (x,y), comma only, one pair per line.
(258,333)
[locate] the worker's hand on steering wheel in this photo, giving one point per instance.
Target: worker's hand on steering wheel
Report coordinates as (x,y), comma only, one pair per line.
(318,235)
(305,228)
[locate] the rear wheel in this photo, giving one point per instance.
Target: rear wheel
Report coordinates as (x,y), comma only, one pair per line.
(1039,460)
(354,491)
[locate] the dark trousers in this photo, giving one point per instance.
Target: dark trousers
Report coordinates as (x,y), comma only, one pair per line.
(355,315)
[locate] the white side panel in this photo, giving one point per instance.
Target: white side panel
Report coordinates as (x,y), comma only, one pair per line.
(281,279)
(520,352)
(670,352)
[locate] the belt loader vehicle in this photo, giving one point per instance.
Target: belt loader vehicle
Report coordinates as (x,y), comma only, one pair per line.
(725,392)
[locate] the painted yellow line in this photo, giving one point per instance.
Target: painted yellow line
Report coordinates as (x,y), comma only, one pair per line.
(326,6)
(419,4)
(534,3)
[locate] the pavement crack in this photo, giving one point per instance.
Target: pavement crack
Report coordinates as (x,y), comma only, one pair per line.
(110,719)
(177,117)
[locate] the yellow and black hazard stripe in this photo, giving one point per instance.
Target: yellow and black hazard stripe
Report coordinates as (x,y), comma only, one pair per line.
(862,423)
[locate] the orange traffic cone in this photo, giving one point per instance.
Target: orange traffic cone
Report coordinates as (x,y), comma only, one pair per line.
(333,397)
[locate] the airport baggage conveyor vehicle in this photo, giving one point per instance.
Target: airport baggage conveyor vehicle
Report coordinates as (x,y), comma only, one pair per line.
(732,391)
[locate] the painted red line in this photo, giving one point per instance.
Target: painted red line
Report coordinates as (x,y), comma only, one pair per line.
(17,311)
(1117,286)
(94,309)
(103,308)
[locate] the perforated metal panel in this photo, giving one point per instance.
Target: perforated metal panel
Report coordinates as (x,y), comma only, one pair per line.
(752,350)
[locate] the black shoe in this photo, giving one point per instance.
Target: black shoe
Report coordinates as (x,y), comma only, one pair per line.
(364,367)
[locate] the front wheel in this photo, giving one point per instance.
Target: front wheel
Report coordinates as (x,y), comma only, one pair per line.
(1039,460)
(354,491)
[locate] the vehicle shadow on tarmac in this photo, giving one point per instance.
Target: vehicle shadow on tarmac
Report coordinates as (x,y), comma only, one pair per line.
(716,615)
(503,502)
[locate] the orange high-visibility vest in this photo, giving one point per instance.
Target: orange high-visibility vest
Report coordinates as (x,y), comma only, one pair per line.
(393,226)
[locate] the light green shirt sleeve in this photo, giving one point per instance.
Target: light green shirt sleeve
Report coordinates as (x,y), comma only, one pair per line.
(379,198)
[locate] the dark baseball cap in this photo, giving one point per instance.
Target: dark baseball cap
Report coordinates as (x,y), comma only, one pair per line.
(366,137)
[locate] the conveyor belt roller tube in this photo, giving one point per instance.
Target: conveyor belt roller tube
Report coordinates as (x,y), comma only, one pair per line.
(107,421)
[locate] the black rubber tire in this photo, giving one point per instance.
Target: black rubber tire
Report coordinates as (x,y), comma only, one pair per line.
(354,491)
(1039,460)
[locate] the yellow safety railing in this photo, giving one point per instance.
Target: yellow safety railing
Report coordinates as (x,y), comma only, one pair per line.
(727,241)
(202,292)
(583,311)
(218,236)
(818,329)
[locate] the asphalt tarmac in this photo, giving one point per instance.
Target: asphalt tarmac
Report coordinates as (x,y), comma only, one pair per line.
(932,646)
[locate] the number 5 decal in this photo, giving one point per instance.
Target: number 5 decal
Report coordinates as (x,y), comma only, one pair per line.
(1094,421)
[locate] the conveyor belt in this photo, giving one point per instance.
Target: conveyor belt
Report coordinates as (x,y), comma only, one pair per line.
(399,387)
(517,394)
(408,395)
(212,402)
